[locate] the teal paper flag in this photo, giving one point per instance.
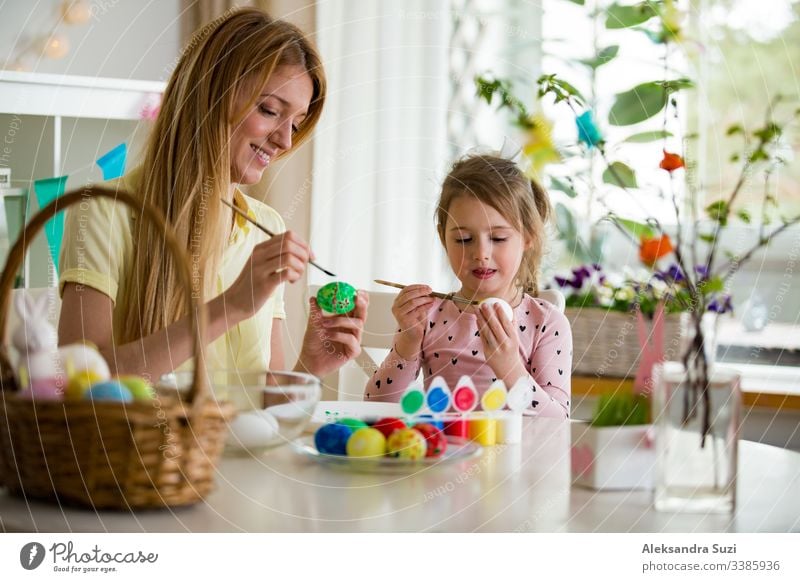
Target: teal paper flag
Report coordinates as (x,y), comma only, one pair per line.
(16,211)
(46,191)
(113,163)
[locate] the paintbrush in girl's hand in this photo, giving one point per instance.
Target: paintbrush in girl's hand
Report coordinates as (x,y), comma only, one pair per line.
(451,296)
(265,230)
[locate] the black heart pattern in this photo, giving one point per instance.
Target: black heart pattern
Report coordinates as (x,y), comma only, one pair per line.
(432,324)
(544,327)
(454,360)
(556,333)
(478,333)
(523,327)
(534,404)
(378,384)
(474,352)
(449,338)
(560,372)
(435,354)
(558,352)
(388,380)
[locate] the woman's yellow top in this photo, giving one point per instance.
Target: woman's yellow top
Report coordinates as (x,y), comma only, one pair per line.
(97,249)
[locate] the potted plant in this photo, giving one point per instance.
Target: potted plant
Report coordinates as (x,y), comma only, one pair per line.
(615,449)
(695,404)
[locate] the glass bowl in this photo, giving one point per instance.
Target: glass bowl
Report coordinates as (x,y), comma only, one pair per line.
(273,407)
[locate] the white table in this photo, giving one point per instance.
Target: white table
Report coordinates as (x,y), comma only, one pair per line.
(511,488)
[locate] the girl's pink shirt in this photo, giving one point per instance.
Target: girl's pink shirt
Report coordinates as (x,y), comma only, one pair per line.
(452,348)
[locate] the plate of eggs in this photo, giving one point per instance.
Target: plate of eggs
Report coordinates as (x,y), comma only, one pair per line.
(384,444)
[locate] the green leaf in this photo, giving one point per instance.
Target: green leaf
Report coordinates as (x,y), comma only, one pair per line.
(578,2)
(562,186)
(620,174)
(744,216)
(769,132)
(718,211)
(565,222)
(675,85)
(648,136)
(637,229)
(759,154)
(735,158)
(640,103)
(618,16)
(712,285)
(734,129)
(560,89)
(709,238)
(603,56)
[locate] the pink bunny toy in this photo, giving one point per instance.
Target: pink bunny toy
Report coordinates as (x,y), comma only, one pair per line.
(35,340)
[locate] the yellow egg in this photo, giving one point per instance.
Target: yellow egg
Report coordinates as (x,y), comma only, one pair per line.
(79,383)
(366,442)
(406,443)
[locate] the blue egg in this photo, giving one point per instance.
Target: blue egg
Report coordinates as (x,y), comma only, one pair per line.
(438,400)
(108,390)
(331,439)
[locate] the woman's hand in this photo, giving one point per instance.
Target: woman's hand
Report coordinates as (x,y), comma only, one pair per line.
(410,310)
(330,342)
(280,259)
(500,343)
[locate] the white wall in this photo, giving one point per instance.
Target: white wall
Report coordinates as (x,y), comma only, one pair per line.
(131,39)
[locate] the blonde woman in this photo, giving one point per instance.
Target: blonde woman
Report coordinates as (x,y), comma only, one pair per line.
(246,91)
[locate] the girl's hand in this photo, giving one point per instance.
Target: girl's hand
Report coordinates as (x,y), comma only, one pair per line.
(281,258)
(330,342)
(500,343)
(410,309)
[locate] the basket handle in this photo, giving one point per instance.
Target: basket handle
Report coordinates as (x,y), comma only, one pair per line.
(199,389)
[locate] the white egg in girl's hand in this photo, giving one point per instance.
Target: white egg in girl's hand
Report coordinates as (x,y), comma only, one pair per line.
(507,311)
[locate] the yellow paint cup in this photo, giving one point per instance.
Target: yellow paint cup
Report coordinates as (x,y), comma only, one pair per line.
(483,431)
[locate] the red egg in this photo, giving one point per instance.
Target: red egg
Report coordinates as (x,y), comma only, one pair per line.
(388,425)
(434,439)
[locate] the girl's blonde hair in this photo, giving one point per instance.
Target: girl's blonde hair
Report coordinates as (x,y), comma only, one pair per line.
(499,183)
(186,165)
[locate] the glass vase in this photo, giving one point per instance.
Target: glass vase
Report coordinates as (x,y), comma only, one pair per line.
(696,415)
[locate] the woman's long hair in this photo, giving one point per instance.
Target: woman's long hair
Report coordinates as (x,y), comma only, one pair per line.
(186,165)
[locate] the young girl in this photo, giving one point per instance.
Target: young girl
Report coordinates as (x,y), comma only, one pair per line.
(245,92)
(491,221)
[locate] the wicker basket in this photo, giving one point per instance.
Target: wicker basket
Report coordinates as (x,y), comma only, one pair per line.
(606,343)
(108,454)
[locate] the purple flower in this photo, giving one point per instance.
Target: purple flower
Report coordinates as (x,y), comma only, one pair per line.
(702,272)
(582,273)
(721,304)
(673,274)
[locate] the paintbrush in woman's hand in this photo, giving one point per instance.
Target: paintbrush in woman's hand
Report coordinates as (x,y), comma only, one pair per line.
(265,230)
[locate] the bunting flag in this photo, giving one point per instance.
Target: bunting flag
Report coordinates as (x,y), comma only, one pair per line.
(48,190)
(113,163)
(16,210)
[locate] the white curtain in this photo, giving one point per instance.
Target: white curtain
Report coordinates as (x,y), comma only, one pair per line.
(380,151)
